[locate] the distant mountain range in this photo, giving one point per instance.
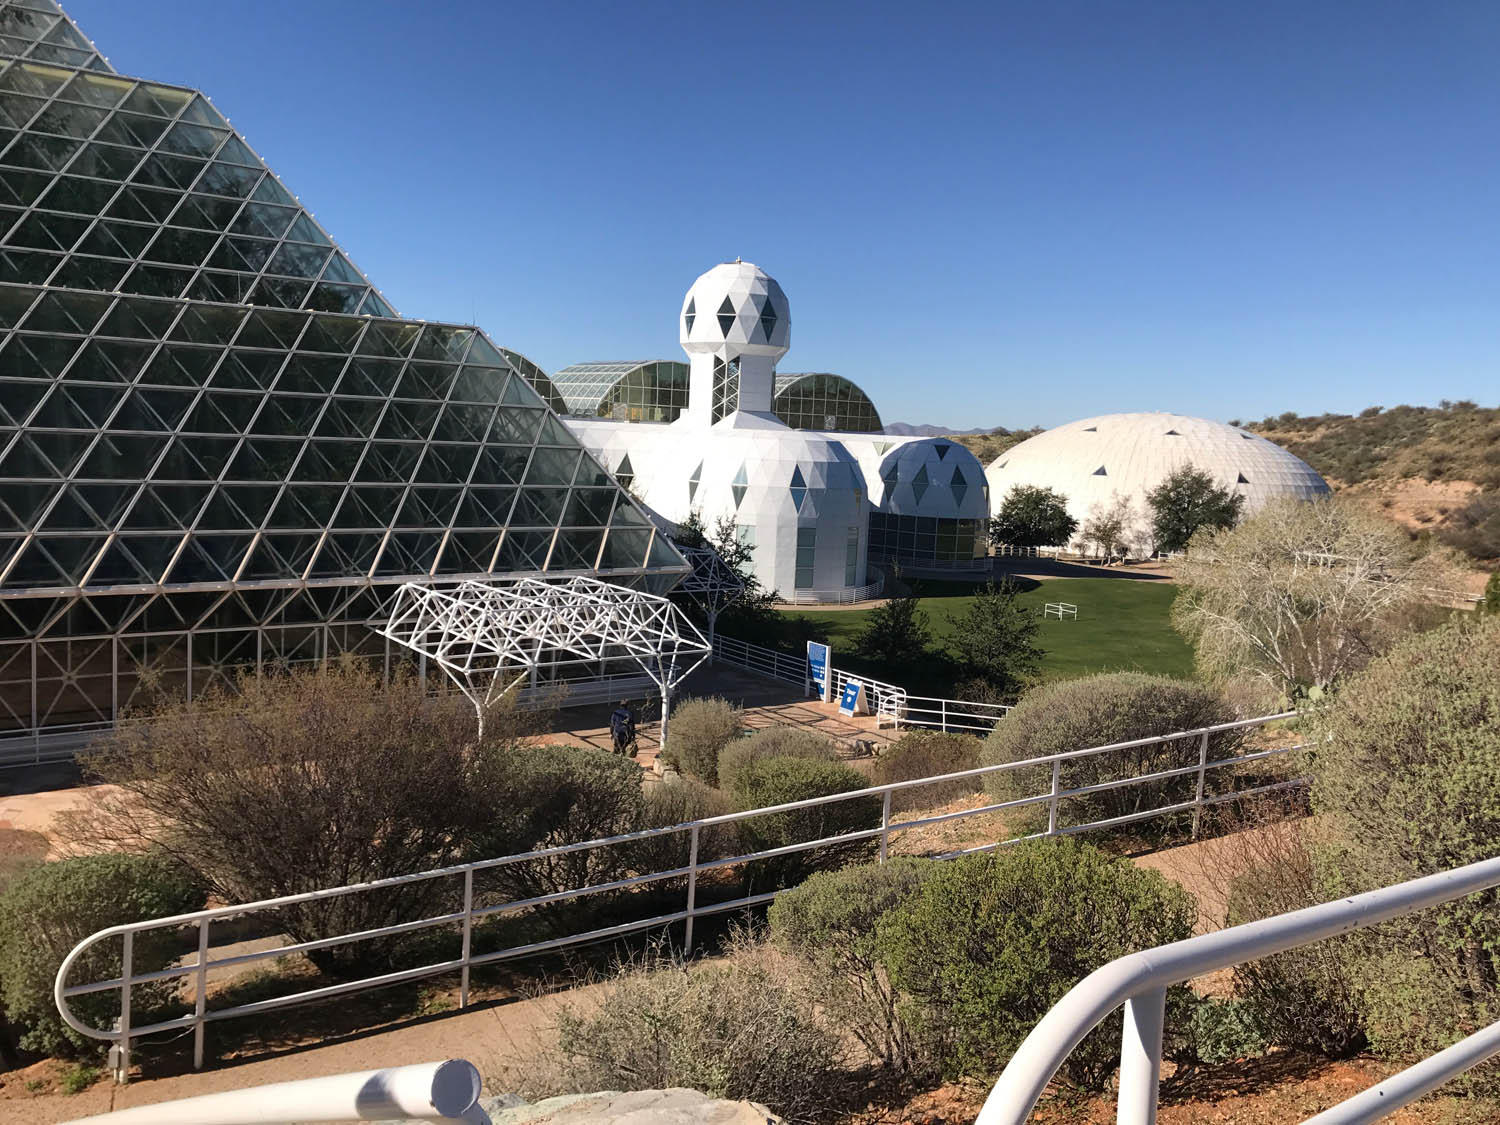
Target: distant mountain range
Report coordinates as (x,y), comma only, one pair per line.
(909,429)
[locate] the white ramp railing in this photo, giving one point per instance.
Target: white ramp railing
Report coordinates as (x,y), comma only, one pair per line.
(1205,752)
(1140,981)
(440,1091)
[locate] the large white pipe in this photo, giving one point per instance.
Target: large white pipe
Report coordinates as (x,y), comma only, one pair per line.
(437,1091)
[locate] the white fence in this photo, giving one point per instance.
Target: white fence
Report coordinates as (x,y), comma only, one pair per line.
(952,715)
(438,1091)
(762,660)
(471,910)
(1140,981)
(838,595)
(1060,610)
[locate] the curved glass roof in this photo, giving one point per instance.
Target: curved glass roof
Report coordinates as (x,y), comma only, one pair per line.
(537,378)
(819,400)
(652,390)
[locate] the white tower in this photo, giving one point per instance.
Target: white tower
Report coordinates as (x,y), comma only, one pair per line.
(735,324)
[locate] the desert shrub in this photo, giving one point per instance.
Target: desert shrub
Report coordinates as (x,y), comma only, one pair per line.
(1490,603)
(1224,1030)
(739,1029)
(678,802)
(829,924)
(1304,998)
(20,850)
(1408,780)
(773,742)
(927,753)
(303,780)
(52,907)
(992,941)
(1475,528)
(699,731)
(557,795)
(775,781)
(1097,711)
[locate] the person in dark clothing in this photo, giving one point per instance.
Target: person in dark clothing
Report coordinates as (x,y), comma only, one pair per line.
(622,728)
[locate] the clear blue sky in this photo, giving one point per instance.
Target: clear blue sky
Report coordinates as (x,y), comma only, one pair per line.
(985,214)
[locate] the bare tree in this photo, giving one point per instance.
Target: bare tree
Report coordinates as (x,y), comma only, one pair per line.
(1302,593)
(1110,527)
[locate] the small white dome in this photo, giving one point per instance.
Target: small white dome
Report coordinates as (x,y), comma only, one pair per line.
(738,308)
(1094,460)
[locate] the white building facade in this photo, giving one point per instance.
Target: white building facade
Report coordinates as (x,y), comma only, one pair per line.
(806,500)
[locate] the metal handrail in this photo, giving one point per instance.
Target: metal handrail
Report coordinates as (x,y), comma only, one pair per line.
(469,913)
(1140,981)
(438,1091)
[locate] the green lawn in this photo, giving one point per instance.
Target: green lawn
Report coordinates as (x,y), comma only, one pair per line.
(1122,624)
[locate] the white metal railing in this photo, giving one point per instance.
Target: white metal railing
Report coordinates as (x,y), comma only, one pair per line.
(1006,551)
(470,912)
(933,713)
(1060,610)
(1140,981)
(765,661)
(837,595)
(439,1091)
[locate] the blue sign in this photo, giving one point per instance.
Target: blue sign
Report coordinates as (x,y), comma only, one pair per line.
(817,668)
(849,698)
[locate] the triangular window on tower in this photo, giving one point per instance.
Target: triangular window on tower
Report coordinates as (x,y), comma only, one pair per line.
(1241,479)
(693,482)
(920,483)
(799,488)
(767,317)
(1172,433)
(959,485)
(726,317)
(1091,429)
(941,448)
(739,486)
(625,474)
(890,474)
(689,316)
(1099,472)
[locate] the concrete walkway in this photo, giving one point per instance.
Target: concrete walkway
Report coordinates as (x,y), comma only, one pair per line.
(493,1038)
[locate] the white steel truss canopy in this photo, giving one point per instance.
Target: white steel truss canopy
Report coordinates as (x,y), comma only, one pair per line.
(713,583)
(477,631)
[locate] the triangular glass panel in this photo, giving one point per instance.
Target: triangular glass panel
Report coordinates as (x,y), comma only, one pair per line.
(689,316)
(941,449)
(920,484)
(693,480)
(1091,429)
(1241,479)
(739,486)
(798,488)
(726,317)
(767,317)
(1099,472)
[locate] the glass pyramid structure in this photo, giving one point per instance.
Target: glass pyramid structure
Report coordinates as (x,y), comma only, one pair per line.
(219,446)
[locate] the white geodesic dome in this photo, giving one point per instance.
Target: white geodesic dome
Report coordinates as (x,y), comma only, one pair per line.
(1094,460)
(739,306)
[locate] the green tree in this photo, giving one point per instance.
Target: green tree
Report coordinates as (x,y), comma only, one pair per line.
(1110,527)
(752,616)
(1033,517)
(895,633)
(996,638)
(1187,500)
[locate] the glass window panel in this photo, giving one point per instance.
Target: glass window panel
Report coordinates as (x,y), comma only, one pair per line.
(17,109)
(326,297)
(138,319)
(177,246)
(187,139)
(67,119)
(271,191)
(158,281)
(22,188)
(142,204)
(166,171)
(81,196)
(263,220)
(160,100)
(97,89)
(236,151)
(36,151)
(228,179)
(30,79)
(27,267)
(298,260)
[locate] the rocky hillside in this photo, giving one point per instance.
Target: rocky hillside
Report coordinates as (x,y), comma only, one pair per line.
(989,444)
(1457,441)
